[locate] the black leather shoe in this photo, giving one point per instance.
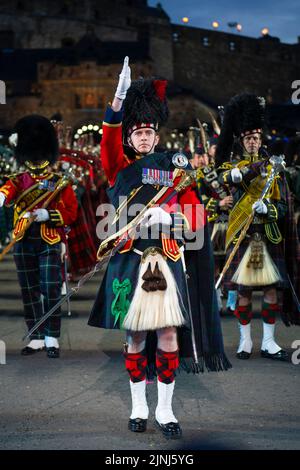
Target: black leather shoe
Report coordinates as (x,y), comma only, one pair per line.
(53,352)
(170,430)
(27,351)
(281,355)
(243,355)
(137,425)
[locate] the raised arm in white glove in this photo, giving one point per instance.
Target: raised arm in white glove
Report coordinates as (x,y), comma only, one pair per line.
(236,175)
(155,216)
(124,80)
(2,199)
(41,215)
(260,207)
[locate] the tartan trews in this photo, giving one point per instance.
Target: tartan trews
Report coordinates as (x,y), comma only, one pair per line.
(39,273)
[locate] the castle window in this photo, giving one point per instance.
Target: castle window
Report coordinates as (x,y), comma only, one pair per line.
(175,37)
(205,41)
(232,46)
(90,100)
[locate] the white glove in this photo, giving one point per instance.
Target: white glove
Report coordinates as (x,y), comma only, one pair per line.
(2,199)
(236,175)
(41,215)
(260,207)
(156,215)
(27,215)
(124,80)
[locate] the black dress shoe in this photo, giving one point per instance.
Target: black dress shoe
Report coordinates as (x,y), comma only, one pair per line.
(28,351)
(243,355)
(281,355)
(170,430)
(137,425)
(53,352)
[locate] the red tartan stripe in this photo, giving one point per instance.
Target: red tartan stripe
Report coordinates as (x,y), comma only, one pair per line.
(271,307)
(244,322)
(136,364)
(166,364)
(243,314)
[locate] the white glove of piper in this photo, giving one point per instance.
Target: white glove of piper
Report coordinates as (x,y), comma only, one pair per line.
(27,215)
(41,215)
(260,207)
(236,175)
(156,215)
(124,80)
(2,199)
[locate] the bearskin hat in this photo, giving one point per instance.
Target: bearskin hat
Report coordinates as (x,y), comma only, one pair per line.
(145,105)
(36,140)
(243,115)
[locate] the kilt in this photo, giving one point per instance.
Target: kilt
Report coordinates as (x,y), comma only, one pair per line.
(39,273)
(276,253)
(121,279)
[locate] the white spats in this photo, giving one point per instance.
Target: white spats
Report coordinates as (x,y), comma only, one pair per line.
(139,403)
(36,344)
(268,342)
(164,413)
(51,342)
(245,338)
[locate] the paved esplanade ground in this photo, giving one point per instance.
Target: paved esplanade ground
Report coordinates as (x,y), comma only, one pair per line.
(82,400)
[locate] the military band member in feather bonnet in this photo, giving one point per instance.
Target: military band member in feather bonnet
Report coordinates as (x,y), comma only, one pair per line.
(144,289)
(243,125)
(145,107)
(259,263)
(43,206)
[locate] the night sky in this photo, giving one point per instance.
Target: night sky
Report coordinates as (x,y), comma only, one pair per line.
(282,17)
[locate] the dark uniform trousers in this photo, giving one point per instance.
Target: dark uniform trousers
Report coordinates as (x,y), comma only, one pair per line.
(40,277)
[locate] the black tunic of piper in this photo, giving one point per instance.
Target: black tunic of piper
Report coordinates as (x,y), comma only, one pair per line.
(118,285)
